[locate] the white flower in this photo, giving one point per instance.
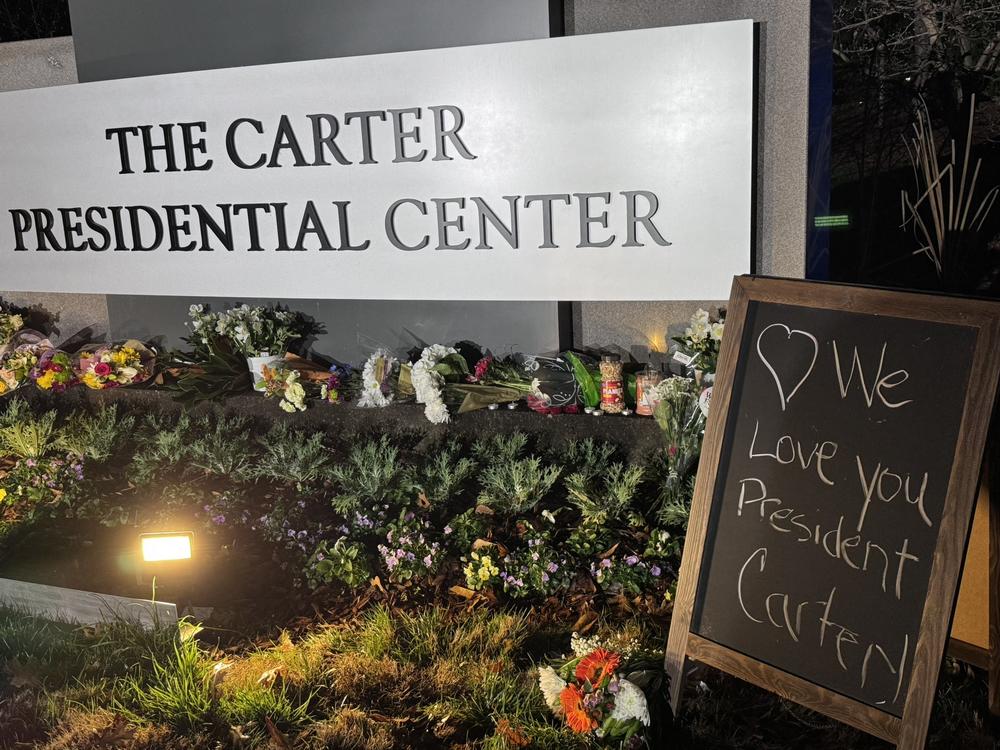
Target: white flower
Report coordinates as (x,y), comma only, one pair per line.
(436,412)
(582,646)
(701,317)
(716,331)
(536,389)
(380,364)
(551,685)
(428,383)
(630,703)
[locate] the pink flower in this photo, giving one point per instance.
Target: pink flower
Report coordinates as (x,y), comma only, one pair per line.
(482,367)
(102,369)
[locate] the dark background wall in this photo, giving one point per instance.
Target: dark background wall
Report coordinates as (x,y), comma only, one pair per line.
(127,38)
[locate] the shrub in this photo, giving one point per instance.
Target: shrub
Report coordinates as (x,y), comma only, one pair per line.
(607,496)
(163,445)
(292,457)
(371,481)
(516,486)
(98,436)
(223,448)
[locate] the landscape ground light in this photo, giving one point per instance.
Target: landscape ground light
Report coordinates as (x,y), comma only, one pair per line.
(166,546)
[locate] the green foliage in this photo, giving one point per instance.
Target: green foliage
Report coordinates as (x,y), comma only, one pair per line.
(517,486)
(439,481)
(292,457)
(163,445)
(177,691)
(372,479)
(211,373)
(249,707)
(18,410)
(98,436)
(343,561)
(605,497)
(28,436)
(500,448)
(588,456)
(223,447)
(589,391)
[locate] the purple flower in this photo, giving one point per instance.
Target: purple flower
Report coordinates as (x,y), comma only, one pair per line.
(219,519)
(655,571)
(545,577)
(606,563)
(320,557)
(447,530)
(631,560)
(552,567)
(428,561)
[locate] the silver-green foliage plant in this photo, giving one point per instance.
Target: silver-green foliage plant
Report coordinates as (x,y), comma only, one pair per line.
(439,481)
(223,447)
(372,478)
(163,444)
(28,436)
(292,456)
(98,436)
(589,456)
(515,486)
(607,496)
(500,448)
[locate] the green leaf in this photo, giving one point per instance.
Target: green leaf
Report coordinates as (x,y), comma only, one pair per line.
(588,388)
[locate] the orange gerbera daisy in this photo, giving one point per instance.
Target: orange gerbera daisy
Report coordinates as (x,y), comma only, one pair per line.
(571,699)
(598,665)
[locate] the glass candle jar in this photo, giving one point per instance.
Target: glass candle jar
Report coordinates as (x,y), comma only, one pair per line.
(645,391)
(612,387)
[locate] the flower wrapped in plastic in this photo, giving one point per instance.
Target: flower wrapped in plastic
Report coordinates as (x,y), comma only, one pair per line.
(54,371)
(601,692)
(115,365)
(21,356)
(296,380)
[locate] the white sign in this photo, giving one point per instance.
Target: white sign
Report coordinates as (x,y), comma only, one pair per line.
(83,607)
(611,166)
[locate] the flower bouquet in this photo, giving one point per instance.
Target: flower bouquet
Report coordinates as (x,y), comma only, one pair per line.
(54,371)
(494,381)
(295,380)
(17,362)
(114,365)
(699,346)
(602,692)
(10,324)
(261,334)
(427,377)
(376,380)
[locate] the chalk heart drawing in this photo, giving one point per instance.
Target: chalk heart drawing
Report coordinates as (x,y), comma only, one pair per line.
(804,348)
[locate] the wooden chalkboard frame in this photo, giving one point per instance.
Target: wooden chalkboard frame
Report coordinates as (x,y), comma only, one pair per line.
(910,731)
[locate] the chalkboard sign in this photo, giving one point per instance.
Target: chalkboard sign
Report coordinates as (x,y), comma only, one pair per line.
(834,496)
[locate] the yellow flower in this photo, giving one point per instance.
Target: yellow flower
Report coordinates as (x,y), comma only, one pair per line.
(3,494)
(3,389)
(92,381)
(46,380)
